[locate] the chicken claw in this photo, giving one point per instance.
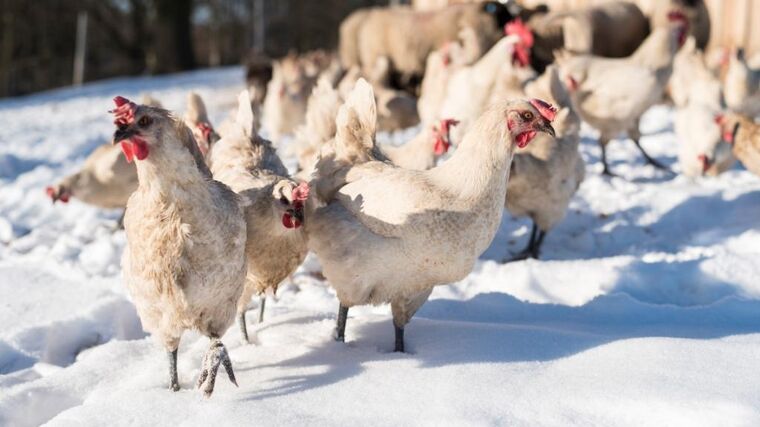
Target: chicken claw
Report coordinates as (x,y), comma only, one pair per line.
(216,355)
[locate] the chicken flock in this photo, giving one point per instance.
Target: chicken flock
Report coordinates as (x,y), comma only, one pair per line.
(498,93)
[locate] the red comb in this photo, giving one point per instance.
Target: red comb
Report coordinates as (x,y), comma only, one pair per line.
(301,192)
(518,28)
(547,110)
(120,100)
(124,111)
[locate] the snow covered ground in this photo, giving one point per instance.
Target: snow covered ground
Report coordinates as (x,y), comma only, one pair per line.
(645,309)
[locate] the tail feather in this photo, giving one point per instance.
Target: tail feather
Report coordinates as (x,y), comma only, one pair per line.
(354,142)
(244,116)
(196,109)
(357,120)
(321,112)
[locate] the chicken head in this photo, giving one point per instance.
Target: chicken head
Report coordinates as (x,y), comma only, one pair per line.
(526,118)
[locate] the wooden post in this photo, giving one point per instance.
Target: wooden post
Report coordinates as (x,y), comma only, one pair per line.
(6,53)
(259,27)
(81,48)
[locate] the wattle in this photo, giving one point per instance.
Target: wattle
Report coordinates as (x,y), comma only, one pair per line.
(441,147)
(523,139)
(134,147)
(289,222)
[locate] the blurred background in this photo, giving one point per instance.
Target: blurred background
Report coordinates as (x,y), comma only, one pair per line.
(39,39)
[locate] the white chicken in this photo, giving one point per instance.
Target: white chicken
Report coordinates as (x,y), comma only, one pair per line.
(696,91)
(384,234)
(106,180)
(184,264)
(275,246)
(547,174)
(742,85)
(612,94)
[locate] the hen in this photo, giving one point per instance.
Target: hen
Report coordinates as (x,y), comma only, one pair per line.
(384,234)
(612,94)
(546,175)
(184,263)
(275,246)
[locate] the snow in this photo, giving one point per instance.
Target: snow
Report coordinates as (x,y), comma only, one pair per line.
(645,309)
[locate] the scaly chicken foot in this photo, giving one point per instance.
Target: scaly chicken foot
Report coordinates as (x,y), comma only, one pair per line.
(215,356)
(340,327)
(173,379)
(243,327)
(262,305)
(649,159)
(533,248)
(399,347)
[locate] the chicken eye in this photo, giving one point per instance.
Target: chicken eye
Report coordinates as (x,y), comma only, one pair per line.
(528,115)
(144,121)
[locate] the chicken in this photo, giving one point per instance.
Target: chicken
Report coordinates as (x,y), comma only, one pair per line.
(106,180)
(469,88)
(546,175)
(611,94)
(287,93)
(422,152)
(275,246)
(196,118)
(439,67)
(184,263)
(742,85)
(419,153)
(700,151)
(513,75)
(696,92)
(743,134)
(389,235)
(319,127)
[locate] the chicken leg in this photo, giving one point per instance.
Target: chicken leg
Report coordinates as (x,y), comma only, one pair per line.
(533,248)
(603,141)
(173,379)
(243,327)
(120,222)
(215,356)
(262,305)
(403,310)
(340,327)
(635,135)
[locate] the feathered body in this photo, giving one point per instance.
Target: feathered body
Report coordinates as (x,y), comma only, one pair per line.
(250,166)
(387,234)
(184,265)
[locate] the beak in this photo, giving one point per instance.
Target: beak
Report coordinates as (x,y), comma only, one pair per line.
(546,127)
(122,134)
(297,214)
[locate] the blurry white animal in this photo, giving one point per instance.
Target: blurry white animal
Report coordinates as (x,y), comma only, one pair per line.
(612,94)
(742,85)
(696,91)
